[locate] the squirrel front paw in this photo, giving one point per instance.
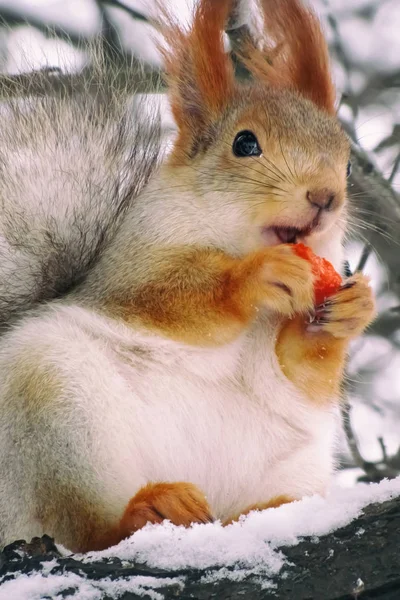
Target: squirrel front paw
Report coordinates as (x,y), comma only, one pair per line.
(349,312)
(282,281)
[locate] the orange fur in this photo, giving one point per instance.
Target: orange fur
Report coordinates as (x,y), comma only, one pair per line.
(200,75)
(351,310)
(87,526)
(181,503)
(204,94)
(273,503)
(295,53)
(314,360)
(206,297)
(83,524)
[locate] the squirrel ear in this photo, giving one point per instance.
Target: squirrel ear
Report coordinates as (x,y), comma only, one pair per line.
(199,74)
(295,52)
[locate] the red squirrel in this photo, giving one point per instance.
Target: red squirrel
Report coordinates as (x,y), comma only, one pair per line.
(179,377)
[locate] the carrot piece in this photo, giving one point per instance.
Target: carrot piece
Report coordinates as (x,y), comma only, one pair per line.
(327,281)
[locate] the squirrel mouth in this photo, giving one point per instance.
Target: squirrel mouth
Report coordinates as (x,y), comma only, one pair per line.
(287,235)
(290,235)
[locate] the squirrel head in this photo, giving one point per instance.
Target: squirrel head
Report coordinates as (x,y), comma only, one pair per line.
(267,157)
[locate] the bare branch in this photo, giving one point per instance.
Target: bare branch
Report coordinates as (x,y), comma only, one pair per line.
(364,257)
(135,14)
(51,82)
(11,18)
(395,168)
(111,47)
(373,471)
(373,193)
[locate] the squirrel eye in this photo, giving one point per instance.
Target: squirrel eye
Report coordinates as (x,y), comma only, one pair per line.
(246,144)
(348,172)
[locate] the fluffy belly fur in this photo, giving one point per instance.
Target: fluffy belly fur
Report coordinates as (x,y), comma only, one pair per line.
(118,409)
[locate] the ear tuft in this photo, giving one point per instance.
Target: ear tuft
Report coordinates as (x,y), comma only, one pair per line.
(199,73)
(295,52)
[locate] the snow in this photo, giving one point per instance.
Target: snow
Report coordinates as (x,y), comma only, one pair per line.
(252,542)
(36,586)
(249,547)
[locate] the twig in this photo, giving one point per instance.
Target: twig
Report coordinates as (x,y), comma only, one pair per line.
(375,194)
(135,14)
(364,258)
(10,18)
(338,47)
(383,448)
(130,75)
(395,168)
(369,468)
(110,40)
(374,471)
(239,33)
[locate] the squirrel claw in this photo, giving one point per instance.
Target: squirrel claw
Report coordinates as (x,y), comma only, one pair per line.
(348,312)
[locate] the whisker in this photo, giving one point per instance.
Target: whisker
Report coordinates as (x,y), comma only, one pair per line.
(240,177)
(367,212)
(363,239)
(276,170)
(371,227)
(286,163)
(258,172)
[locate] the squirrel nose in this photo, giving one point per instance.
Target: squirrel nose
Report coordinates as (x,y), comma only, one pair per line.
(323,198)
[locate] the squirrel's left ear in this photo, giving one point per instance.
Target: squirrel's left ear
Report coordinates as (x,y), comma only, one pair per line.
(199,74)
(295,52)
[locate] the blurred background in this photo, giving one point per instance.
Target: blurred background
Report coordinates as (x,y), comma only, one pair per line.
(364,37)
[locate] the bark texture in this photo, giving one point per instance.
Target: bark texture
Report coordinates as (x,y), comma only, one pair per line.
(359,561)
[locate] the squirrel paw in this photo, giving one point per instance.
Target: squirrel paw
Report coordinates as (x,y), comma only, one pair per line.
(181,503)
(286,281)
(349,312)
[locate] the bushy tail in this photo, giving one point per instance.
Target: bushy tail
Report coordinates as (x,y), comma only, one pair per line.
(70,165)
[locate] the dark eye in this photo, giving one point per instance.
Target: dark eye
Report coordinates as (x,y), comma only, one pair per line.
(246,144)
(348,172)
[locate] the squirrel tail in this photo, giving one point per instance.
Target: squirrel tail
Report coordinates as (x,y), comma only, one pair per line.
(71,163)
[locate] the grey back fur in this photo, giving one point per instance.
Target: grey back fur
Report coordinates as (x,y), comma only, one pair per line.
(70,166)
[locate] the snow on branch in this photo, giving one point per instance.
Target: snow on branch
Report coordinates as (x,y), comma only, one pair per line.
(342,547)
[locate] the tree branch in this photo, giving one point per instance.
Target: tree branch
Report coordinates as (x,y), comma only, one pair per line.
(12,18)
(133,76)
(360,557)
(379,208)
(374,471)
(135,14)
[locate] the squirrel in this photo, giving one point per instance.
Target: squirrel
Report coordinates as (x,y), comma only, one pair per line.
(170,370)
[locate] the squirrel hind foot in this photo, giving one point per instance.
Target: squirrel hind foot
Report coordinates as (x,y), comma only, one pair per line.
(181,503)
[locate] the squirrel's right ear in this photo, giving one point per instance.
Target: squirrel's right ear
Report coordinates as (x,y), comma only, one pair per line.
(199,74)
(295,53)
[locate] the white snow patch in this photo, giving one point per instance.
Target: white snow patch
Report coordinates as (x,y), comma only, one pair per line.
(38,585)
(252,541)
(249,547)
